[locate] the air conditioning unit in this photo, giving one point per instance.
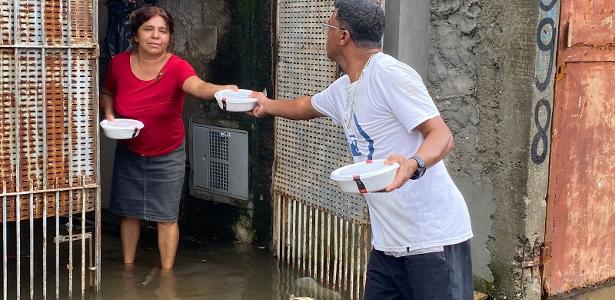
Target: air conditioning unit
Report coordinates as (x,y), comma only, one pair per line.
(220,161)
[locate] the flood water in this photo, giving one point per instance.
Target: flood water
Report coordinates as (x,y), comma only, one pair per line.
(212,271)
(225,271)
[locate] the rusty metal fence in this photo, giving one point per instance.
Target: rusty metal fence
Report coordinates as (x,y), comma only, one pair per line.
(48,137)
(320,231)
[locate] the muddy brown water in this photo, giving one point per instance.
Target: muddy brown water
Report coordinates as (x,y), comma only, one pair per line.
(214,271)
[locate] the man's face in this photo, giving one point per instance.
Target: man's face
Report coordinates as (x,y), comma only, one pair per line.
(334,35)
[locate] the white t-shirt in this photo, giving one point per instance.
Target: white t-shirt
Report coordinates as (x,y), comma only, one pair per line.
(391,100)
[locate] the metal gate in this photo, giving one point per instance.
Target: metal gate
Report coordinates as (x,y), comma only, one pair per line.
(317,229)
(580,209)
(48,138)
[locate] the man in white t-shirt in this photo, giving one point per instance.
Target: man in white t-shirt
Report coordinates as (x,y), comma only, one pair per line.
(420,224)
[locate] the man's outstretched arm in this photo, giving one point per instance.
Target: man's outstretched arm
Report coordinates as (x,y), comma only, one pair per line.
(296,109)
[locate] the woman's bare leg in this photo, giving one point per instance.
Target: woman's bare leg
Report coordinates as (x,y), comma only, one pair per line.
(129,232)
(168,239)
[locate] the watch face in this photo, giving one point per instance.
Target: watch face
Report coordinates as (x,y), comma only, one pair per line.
(420,169)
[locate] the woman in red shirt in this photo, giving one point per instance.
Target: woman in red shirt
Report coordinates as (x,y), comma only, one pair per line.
(149,84)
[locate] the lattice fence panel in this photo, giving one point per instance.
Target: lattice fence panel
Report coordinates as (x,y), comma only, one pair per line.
(48,112)
(308,151)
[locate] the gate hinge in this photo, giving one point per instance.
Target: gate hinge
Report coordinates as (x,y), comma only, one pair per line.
(537,260)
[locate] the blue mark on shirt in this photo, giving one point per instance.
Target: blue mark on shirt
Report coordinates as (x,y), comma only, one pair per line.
(354,146)
(364,134)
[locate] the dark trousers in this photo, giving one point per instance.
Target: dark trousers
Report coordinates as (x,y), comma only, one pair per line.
(438,275)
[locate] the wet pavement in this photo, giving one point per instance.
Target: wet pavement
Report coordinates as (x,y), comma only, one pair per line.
(603,292)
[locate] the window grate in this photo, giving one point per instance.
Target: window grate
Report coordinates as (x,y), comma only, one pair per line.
(218,175)
(218,145)
(220,159)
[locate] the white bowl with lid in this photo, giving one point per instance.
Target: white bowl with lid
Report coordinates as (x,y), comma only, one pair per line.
(235,101)
(365,177)
(122,129)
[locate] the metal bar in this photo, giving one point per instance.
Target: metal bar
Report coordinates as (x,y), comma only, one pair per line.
(4,250)
(335,244)
(299,233)
(58,200)
(31,216)
(352,254)
(45,246)
(92,268)
(291,236)
(70,243)
(44,95)
(323,216)
(315,246)
(97,205)
(284,228)
(57,253)
(344,253)
(366,251)
(317,242)
(25,193)
(278,226)
(298,236)
(328,265)
(74,237)
(360,248)
(75,46)
(309,238)
(45,150)
(18,253)
(304,236)
(70,147)
(83,200)
(17,147)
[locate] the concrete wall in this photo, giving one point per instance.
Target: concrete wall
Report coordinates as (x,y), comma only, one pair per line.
(478,63)
(481,77)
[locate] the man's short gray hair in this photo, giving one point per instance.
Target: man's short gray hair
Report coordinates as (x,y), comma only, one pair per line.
(364,19)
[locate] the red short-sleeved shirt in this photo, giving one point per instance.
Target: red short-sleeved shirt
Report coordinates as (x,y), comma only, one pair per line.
(158,103)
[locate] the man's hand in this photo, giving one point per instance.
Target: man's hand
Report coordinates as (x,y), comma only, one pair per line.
(261,108)
(407,167)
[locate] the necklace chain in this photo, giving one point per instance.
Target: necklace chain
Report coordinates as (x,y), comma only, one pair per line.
(351,96)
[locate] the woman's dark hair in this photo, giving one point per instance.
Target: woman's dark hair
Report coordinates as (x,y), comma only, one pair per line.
(364,19)
(144,14)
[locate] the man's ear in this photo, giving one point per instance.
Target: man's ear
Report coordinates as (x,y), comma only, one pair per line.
(345,39)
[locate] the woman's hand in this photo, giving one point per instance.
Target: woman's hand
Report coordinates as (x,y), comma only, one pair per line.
(110,117)
(232,87)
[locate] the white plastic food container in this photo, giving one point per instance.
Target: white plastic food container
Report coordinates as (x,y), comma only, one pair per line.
(235,101)
(365,177)
(122,129)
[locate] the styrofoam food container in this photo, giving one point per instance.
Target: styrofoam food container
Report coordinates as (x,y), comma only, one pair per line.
(374,176)
(237,101)
(122,129)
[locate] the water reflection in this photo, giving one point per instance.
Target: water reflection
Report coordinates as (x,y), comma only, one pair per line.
(211,272)
(228,271)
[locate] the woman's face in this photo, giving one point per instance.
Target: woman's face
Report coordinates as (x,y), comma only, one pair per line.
(153,36)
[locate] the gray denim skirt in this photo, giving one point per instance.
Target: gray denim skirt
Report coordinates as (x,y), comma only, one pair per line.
(147,188)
